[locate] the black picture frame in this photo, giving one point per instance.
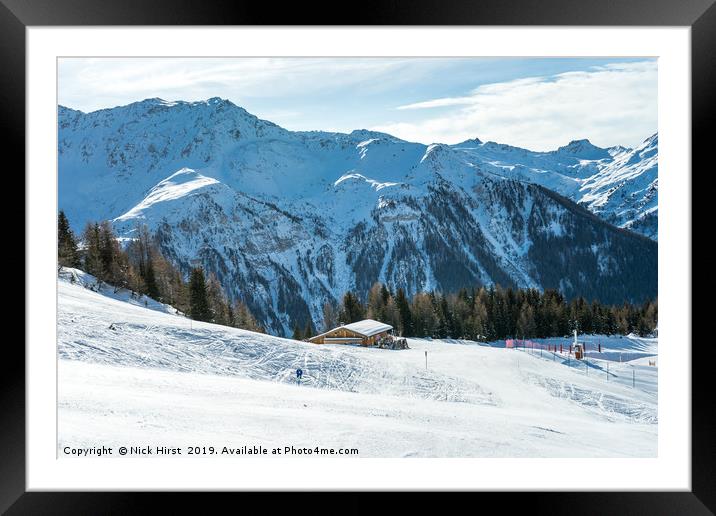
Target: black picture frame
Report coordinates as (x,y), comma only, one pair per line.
(700,15)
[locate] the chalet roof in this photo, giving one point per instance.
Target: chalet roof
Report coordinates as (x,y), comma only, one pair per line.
(368,327)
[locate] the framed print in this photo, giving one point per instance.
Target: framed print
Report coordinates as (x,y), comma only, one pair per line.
(422,252)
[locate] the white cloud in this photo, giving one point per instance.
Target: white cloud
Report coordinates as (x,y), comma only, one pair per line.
(610,105)
(448,101)
(90,84)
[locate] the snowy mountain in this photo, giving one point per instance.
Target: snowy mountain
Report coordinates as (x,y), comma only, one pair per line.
(618,184)
(290,220)
(625,191)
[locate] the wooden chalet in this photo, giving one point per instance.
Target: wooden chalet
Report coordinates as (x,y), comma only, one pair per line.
(366,333)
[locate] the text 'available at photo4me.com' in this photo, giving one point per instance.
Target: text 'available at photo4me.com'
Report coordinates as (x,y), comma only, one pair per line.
(134,450)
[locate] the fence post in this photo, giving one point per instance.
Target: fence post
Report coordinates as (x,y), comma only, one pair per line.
(607,371)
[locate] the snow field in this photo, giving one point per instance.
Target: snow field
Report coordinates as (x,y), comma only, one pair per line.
(162,379)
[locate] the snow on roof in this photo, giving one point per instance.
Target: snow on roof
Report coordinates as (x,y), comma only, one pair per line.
(368,327)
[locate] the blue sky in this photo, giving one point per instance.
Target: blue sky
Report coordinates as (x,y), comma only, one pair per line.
(537,103)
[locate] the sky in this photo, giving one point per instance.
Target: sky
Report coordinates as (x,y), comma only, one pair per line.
(535,103)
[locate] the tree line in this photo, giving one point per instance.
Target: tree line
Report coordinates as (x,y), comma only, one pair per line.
(492,313)
(140,267)
(482,314)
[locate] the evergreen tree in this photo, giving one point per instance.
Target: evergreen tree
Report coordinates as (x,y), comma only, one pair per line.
(642,329)
(217,301)
(611,323)
(447,325)
(423,315)
(461,311)
(92,262)
(198,302)
(112,266)
(385,294)
(108,250)
(352,310)
(67,254)
(405,327)
(526,327)
(150,281)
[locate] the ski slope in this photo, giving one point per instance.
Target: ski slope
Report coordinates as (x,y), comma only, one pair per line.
(130,373)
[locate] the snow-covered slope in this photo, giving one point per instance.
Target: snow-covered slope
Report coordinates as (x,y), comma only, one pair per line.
(87,281)
(130,374)
(291,220)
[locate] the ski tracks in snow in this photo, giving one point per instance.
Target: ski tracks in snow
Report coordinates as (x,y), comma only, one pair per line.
(247,355)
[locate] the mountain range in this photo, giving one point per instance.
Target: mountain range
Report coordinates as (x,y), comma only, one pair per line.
(289,220)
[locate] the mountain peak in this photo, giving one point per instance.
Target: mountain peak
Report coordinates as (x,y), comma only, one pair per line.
(366,134)
(652,140)
(583,149)
(470,141)
(183,174)
(618,149)
(180,185)
(65,110)
(160,102)
(154,101)
(579,144)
